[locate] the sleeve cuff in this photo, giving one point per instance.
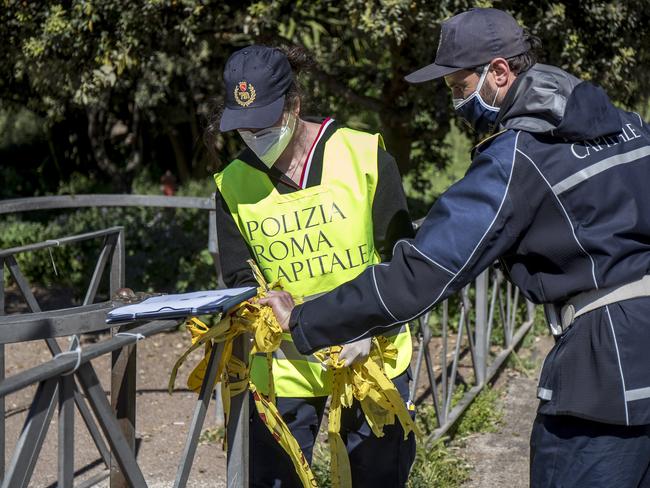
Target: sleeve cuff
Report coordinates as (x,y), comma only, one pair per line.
(297,334)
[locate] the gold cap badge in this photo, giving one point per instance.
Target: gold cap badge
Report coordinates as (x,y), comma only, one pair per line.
(244,93)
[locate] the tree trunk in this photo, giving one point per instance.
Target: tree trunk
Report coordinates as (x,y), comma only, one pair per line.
(97,139)
(398,138)
(179,154)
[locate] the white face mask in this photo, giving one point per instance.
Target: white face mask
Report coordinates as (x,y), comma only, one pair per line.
(269,143)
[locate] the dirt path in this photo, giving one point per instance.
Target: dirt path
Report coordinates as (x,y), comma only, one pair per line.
(162,420)
(500,459)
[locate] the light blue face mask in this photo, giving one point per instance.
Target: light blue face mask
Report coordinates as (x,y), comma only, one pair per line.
(480,116)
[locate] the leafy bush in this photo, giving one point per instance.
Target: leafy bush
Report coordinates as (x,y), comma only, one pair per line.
(62,265)
(166,249)
(424,186)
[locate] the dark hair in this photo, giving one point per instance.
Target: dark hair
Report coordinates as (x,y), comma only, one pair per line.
(211,131)
(522,62)
(300,61)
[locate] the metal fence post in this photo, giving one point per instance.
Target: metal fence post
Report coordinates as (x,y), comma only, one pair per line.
(2,372)
(213,246)
(66,432)
(123,369)
(213,249)
(530,311)
(118,264)
(238,425)
(123,386)
(482,342)
(200,410)
(32,436)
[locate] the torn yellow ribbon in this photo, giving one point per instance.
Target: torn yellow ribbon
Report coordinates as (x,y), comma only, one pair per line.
(380,401)
(367,382)
(260,322)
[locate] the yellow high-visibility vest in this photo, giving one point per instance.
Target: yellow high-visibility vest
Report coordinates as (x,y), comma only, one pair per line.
(312,240)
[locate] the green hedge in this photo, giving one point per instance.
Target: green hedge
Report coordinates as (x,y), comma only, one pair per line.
(166,249)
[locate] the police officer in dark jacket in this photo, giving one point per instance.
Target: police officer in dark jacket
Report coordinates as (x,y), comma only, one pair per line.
(559,194)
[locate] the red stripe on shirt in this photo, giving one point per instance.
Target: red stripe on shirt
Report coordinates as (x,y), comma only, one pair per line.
(303,175)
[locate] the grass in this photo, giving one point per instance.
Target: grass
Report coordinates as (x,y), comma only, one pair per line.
(212,435)
(521,359)
(320,465)
(484,414)
(441,463)
(438,465)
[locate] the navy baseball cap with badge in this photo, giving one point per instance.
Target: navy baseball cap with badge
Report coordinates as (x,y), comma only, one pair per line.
(256,80)
(471,39)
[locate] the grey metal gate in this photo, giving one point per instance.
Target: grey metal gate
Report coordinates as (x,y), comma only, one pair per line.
(490,304)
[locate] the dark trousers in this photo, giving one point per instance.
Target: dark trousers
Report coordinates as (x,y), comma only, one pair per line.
(374,461)
(569,452)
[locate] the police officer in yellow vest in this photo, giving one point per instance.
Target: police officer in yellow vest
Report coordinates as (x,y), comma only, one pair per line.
(313,204)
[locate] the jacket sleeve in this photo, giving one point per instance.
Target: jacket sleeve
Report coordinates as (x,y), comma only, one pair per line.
(468,227)
(390,216)
(233,251)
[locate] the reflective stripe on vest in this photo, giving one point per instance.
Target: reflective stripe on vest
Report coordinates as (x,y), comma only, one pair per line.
(312,240)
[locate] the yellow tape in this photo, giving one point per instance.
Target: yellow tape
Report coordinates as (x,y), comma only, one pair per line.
(367,382)
(273,420)
(260,322)
(380,401)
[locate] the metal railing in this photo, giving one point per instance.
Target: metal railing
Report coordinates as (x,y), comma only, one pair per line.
(470,341)
(464,342)
(59,379)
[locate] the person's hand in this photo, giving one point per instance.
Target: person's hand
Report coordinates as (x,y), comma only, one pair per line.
(355,352)
(282,304)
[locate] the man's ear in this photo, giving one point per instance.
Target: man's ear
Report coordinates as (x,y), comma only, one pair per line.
(501,72)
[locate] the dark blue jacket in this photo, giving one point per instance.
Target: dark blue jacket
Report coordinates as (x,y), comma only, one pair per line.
(561,197)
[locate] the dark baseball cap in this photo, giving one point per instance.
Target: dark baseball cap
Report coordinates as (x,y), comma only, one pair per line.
(256,80)
(472,39)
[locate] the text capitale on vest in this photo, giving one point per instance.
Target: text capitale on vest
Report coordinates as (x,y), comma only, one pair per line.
(299,244)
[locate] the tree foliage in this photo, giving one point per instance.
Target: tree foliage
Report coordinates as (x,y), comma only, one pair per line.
(123,87)
(120,84)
